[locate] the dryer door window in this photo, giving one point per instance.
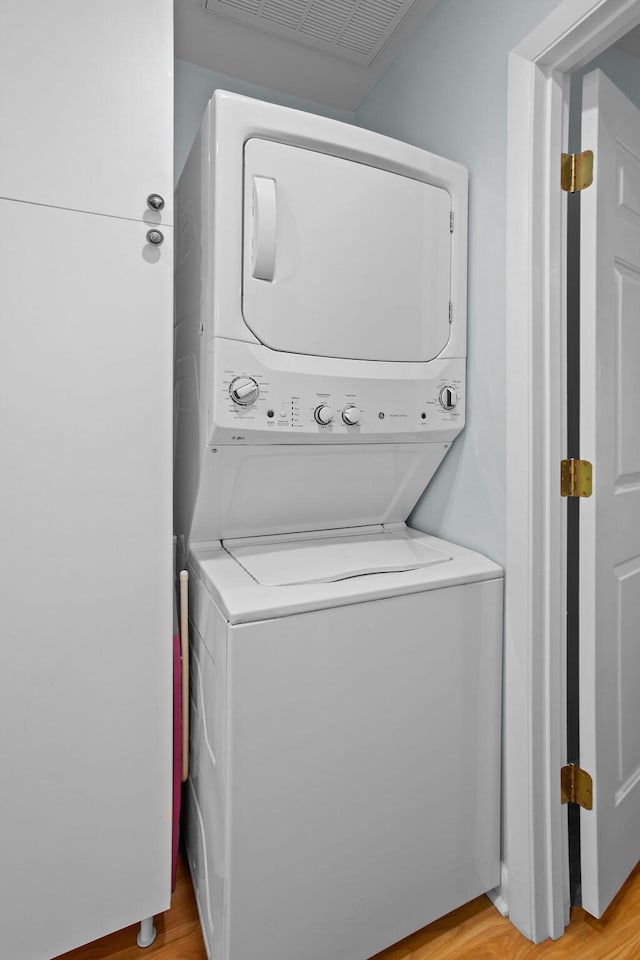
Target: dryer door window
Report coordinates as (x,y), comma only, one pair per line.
(343,259)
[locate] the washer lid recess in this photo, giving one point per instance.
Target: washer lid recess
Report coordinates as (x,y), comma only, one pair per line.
(284,561)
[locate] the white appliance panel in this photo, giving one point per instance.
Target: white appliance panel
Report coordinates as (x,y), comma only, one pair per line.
(205,793)
(245,490)
(406,401)
(364,772)
(342,259)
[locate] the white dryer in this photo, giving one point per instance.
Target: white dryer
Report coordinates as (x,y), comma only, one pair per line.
(344,782)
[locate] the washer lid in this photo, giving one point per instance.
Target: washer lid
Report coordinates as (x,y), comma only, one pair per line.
(285,561)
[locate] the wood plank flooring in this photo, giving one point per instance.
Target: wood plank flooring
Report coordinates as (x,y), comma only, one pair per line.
(473,932)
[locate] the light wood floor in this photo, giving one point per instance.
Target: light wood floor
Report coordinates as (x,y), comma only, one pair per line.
(474,932)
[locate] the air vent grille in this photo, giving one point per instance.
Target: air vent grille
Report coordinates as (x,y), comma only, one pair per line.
(353,29)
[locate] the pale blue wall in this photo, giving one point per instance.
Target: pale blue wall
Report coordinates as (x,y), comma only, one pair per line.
(447,92)
(193,89)
(621,67)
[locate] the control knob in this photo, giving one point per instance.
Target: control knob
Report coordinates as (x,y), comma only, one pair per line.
(244,391)
(323,414)
(351,415)
(448,398)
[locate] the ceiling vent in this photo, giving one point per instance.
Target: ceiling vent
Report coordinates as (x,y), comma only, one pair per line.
(355,30)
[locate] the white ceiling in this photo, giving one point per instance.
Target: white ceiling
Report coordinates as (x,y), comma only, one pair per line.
(222,44)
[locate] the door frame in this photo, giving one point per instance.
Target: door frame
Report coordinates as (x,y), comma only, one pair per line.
(535,884)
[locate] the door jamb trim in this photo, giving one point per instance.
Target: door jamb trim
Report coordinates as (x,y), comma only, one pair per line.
(534,822)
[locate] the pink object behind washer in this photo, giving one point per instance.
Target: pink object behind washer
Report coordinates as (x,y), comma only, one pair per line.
(177,745)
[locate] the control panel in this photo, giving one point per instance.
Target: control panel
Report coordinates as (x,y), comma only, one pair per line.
(332,401)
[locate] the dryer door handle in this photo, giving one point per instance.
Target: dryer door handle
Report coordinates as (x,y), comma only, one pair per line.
(264,228)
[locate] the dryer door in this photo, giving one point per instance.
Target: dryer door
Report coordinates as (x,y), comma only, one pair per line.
(343,259)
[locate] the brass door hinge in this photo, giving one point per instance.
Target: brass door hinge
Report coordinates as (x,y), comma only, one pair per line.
(575,478)
(576,171)
(576,786)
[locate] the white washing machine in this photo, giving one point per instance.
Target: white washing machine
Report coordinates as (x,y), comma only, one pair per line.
(345,686)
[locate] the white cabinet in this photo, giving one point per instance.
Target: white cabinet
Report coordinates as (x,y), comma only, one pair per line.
(85,578)
(86,104)
(86,101)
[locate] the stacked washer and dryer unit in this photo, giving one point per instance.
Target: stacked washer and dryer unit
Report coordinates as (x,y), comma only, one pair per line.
(345,669)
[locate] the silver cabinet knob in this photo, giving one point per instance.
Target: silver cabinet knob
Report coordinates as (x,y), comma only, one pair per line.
(155,201)
(156,237)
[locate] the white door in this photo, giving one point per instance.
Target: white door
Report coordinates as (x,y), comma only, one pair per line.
(342,259)
(86,104)
(610,519)
(85,577)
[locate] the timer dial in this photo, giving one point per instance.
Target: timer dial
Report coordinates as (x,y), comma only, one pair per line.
(323,414)
(244,391)
(448,398)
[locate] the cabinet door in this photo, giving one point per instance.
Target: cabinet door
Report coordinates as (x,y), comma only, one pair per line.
(85,577)
(86,103)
